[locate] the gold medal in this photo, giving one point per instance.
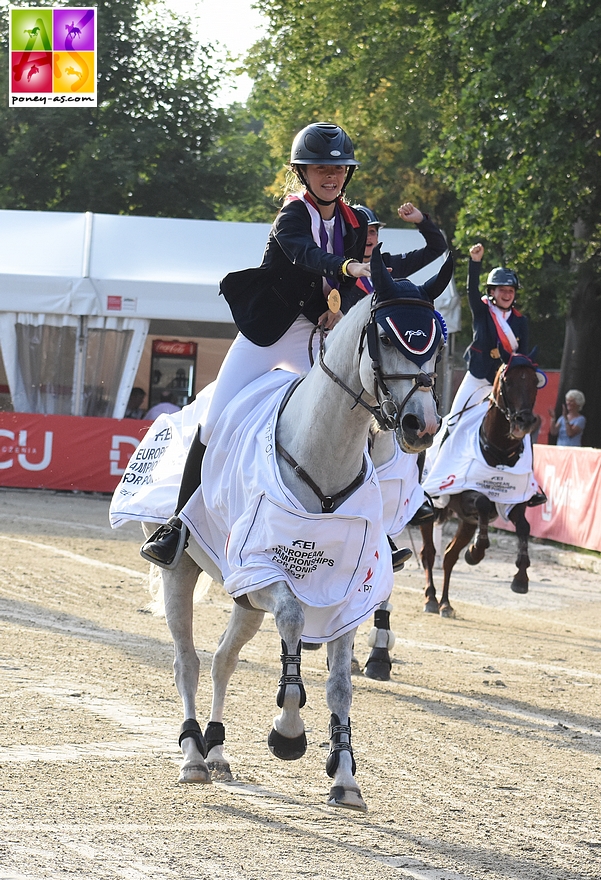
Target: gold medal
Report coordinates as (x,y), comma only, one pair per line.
(494,353)
(334,301)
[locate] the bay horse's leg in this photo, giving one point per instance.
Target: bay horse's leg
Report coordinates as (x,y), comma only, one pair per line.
(243,625)
(381,640)
(451,555)
(428,555)
(340,765)
(486,512)
(178,591)
(287,739)
(522,529)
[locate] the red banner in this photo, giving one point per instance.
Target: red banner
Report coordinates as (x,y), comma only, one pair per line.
(90,455)
(571,479)
(66,452)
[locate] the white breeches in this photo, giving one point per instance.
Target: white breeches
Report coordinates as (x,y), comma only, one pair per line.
(470,393)
(246,361)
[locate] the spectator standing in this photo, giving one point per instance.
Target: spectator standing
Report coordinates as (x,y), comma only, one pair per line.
(569,426)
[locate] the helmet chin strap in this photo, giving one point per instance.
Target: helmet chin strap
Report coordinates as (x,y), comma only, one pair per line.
(319,201)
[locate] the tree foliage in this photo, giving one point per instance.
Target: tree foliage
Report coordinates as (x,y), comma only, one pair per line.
(484,112)
(522,142)
(154,145)
(356,64)
(521,148)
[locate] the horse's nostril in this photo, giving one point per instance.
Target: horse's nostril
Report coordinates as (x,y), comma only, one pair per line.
(410,423)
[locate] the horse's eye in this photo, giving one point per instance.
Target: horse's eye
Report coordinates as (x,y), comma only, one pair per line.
(385,340)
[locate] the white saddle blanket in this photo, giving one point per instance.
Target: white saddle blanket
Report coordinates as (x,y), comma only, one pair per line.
(457,464)
(338,564)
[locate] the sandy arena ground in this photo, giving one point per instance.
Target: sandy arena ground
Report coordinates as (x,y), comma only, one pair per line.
(480,759)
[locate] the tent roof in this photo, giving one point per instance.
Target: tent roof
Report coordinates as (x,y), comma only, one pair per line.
(147,267)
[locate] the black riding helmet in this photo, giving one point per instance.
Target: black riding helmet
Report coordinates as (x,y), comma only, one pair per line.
(501,277)
(322,143)
(372,217)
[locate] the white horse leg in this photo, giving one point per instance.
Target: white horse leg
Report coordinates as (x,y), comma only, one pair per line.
(341,764)
(178,589)
(243,625)
(287,739)
(381,640)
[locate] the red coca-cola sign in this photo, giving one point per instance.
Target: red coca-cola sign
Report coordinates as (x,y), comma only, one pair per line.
(174,347)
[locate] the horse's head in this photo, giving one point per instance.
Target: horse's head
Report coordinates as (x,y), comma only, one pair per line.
(514,393)
(405,335)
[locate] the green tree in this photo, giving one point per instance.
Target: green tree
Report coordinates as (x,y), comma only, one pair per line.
(366,67)
(503,100)
(154,144)
(521,146)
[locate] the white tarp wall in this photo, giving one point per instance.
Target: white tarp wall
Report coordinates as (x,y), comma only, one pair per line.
(107,275)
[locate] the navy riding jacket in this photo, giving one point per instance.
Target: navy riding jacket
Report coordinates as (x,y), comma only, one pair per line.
(403,265)
(482,355)
(267,300)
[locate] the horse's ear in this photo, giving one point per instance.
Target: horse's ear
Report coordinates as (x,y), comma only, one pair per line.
(381,278)
(434,286)
(533,354)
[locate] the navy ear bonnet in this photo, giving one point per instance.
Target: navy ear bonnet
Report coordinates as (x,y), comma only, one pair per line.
(407,314)
(526,360)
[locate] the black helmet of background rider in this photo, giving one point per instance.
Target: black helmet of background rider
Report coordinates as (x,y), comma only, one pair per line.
(372,217)
(322,143)
(374,224)
(501,277)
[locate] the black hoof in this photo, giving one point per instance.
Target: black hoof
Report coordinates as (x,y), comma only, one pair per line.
(519,587)
(469,558)
(431,607)
(378,665)
(284,748)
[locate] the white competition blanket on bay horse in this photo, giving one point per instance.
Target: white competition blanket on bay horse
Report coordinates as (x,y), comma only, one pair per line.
(457,464)
(337,564)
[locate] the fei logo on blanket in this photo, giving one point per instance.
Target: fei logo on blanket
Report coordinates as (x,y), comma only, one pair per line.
(52,57)
(299,563)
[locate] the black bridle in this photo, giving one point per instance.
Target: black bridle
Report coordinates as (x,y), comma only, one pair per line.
(387,412)
(503,404)
(494,454)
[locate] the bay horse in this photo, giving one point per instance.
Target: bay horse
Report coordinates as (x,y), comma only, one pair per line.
(508,421)
(365,370)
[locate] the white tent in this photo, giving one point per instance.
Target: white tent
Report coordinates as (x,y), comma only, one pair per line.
(94,282)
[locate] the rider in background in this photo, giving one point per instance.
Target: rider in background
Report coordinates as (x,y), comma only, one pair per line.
(402,265)
(314,255)
(496,323)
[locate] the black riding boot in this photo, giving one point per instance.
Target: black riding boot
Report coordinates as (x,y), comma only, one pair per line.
(425,513)
(399,557)
(166,545)
(538,498)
